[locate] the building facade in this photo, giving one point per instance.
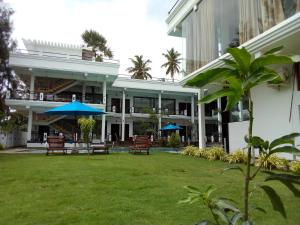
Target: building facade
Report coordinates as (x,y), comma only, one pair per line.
(56,73)
(209,27)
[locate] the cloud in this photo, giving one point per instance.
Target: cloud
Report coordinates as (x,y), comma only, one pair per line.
(131,27)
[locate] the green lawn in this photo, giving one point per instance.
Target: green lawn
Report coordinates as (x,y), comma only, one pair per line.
(118,189)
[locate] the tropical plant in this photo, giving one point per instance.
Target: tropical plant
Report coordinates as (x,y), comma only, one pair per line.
(86,125)
(140,69)
(190,150)
(223,210)
(213,153)
(98,43)
(240,74)
(272,162)
(174,140)
(237,156)
(295,166)
(172,63)
(1,147)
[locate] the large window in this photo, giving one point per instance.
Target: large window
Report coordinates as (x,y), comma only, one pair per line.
(168,106)
(144,104)
(219,24)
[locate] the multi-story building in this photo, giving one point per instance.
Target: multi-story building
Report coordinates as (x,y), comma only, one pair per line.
(56,73)
(209,27)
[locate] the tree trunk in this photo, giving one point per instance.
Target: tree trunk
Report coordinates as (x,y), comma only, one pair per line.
(248,166)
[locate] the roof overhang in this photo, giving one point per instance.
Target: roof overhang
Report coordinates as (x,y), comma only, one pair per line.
(286,33)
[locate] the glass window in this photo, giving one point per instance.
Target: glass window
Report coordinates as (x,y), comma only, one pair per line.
(168,106)
(143,104)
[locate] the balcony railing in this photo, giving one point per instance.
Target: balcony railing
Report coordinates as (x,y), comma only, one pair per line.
(54,97)
(58,55)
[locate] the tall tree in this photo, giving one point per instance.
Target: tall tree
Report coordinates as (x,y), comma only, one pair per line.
(8,79)
(98,43)
(140,69)
(172,63)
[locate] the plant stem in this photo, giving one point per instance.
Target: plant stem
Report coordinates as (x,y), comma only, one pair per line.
(247,176)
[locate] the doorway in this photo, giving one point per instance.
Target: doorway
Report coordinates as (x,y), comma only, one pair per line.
(115,132)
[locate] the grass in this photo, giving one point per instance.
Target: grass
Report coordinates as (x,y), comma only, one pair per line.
(118,189)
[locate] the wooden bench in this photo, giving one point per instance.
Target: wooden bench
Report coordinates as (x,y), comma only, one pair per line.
(101,148)
(56,144)
(141,144)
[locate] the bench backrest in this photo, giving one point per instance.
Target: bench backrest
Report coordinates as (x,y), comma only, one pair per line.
(56,142)
(142,140)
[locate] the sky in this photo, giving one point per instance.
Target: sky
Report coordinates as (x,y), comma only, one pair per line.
(131,27)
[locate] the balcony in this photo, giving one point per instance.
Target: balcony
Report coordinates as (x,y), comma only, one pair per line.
(210,27)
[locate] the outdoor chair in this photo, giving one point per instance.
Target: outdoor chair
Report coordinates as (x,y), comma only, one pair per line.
(56,144)
(141,144)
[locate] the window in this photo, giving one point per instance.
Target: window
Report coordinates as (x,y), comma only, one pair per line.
(143,104)
(184,106)
(168,106)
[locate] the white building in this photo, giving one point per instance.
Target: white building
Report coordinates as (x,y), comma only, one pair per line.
(209,27)
(56,73)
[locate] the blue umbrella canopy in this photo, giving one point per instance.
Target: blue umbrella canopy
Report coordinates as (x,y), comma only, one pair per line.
(75,108)
(171,127)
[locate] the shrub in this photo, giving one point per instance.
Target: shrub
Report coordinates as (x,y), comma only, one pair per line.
(295,166)
(214,153)
(238,156)
(200,153)
(163,142)
(272,162)
(174,141)
(1,147)
(190,150)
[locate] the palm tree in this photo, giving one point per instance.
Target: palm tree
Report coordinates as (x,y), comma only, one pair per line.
(98,43)
(172,63)
(140,69)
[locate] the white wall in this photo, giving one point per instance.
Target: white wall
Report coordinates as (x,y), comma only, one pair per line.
(13,139)
(271,116)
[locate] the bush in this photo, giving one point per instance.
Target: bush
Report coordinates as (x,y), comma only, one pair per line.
(295,166)
(1,147)
(174,141)
(190,150)
(214,153)
(163,142)
(272,162)
(238,156)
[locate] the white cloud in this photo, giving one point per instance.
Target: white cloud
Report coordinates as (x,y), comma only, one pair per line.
(128,25)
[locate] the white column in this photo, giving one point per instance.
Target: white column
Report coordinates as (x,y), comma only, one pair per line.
(220,132)
(123,117)
(29,125)
(32,79)
(83,91)
(241,110)
(159,114)
(104,93)
(193,117)
(103,128)
(201,122)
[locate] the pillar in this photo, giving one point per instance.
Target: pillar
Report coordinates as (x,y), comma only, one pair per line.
(193,117)
(83,91)
(103,128)
(29,125)
(201,121)
(220,132)
(241,117)
(123,117)
(159,114)
(32,79)
(104,93)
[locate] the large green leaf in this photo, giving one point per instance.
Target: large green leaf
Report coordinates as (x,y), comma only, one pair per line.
(242,57)
(286,149)
(209,76)
(284,177)
(226,205)
(233,168)
(275,200)
(267,60)
(235,218)
(230,62)
(273,50)
(218,94)
(221,214)
(286,139)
